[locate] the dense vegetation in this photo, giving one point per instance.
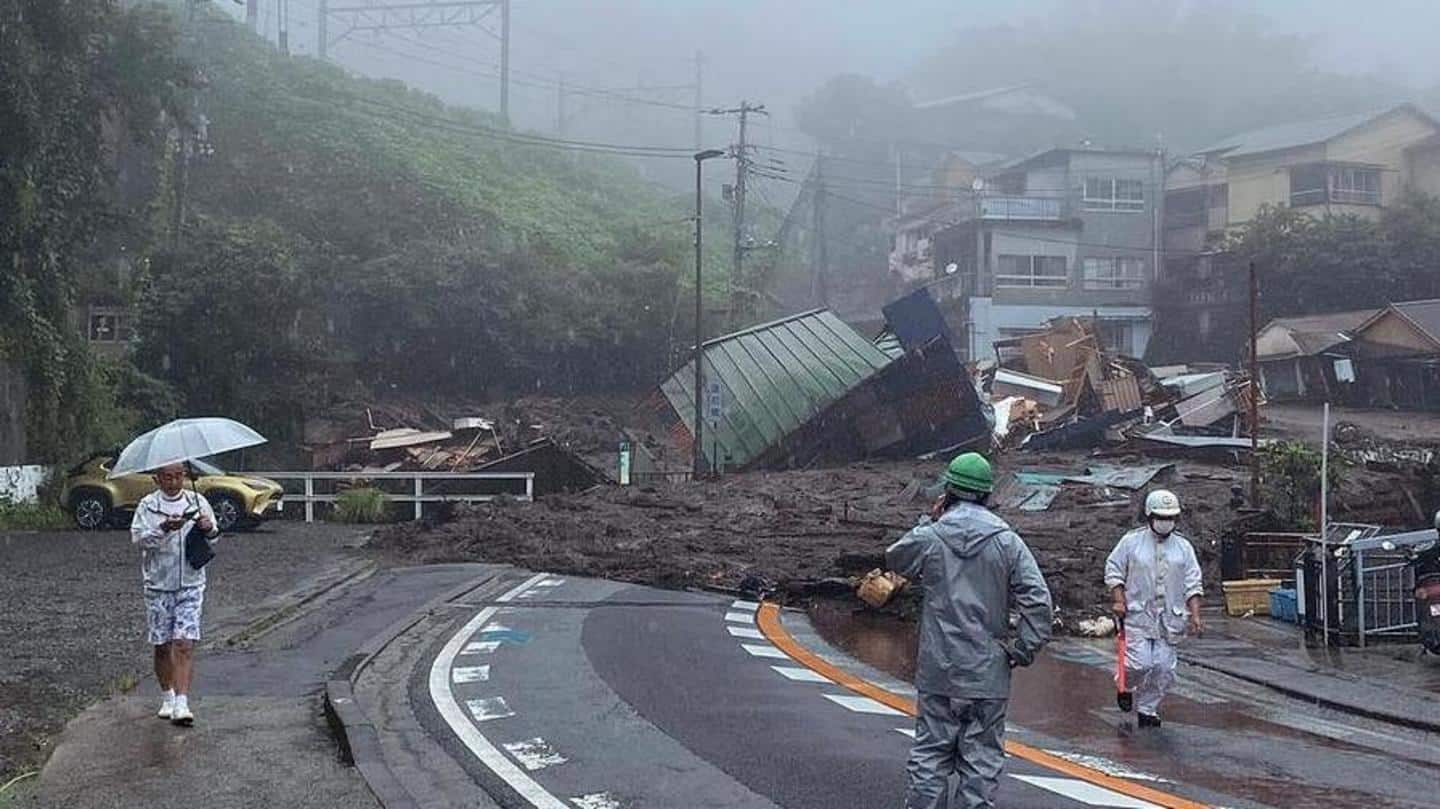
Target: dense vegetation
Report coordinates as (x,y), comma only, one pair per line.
(79,82)
(289,234)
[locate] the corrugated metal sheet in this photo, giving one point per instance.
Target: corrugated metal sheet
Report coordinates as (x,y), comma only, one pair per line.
(773,378)
(1121,394)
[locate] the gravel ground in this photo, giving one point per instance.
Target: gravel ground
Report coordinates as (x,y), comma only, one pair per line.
(72,619)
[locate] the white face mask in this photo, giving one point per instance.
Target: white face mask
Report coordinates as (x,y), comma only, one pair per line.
(1162,527)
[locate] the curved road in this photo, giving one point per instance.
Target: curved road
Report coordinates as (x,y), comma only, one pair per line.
(564,692)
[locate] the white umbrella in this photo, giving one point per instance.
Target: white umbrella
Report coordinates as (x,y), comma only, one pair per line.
(183,440)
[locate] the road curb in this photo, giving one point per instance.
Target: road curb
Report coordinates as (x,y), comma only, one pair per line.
(1314,697)
(354,731)
(294,602)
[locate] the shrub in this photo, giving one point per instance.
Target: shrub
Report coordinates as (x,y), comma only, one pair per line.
(42,516)
(363,505)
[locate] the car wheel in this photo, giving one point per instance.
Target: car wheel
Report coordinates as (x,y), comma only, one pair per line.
(229,513)
(91,510)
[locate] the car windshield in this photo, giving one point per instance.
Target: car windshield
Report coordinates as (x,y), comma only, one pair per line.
(207,468)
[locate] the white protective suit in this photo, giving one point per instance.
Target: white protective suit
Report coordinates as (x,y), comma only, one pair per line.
(1159,576)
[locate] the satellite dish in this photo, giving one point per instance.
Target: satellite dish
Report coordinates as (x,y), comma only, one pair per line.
(952,268)
(977,185)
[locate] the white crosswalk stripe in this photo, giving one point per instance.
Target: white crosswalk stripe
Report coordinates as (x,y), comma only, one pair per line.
(764,651)
(1085,793)
(745,632)
(800,675)
(860,704)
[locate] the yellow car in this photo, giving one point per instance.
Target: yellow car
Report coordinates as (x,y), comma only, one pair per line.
(240,501)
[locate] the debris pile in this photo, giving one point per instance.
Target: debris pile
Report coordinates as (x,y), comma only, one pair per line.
(1060,388)
(804,533)
(567,444)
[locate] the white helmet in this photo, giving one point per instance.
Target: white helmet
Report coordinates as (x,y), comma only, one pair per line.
(1162,503)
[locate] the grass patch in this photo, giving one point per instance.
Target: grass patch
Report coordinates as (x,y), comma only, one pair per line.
(363,505)
(31,516)
(14,791)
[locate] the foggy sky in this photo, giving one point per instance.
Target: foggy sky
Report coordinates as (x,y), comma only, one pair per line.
(777,51)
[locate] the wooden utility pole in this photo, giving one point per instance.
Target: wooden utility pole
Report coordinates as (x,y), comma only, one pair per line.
(1254,388)
(742,169)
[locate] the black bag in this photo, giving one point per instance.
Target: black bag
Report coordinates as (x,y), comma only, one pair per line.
(198,551)
(197,548)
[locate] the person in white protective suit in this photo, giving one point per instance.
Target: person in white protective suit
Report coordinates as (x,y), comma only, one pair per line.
(1155,580)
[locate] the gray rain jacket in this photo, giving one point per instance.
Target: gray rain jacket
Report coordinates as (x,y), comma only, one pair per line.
(976,571)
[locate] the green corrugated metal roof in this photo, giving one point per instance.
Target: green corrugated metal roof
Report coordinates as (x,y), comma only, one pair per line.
(774,378)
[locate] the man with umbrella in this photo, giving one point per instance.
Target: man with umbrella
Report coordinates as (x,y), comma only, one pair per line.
(174,588)
(173,528)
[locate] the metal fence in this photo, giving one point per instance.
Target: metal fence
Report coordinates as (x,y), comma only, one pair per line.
(416,488)
(1367,591)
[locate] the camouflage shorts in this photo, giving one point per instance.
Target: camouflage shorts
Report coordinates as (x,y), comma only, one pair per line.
(173,615)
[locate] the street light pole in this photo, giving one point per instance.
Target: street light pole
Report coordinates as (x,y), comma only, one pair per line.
(697,452)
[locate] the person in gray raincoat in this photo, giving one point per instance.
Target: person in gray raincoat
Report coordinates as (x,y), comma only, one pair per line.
(976,572)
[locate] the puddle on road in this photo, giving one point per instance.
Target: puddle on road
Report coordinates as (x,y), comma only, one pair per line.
(1214,746)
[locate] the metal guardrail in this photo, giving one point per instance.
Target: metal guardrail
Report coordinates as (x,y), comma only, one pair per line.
(417,496)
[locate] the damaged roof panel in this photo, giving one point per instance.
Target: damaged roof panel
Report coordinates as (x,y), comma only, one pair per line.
(774,378)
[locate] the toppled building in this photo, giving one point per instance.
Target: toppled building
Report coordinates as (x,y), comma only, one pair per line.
(809,390)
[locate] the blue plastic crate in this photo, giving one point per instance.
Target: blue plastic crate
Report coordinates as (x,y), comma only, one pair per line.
(1284,605)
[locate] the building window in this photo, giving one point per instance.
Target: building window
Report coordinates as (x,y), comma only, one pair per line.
(1185,208)
(1355,186)
(1114,273)
(1031,271)
(109,326)
(1346,185)
(1111,194)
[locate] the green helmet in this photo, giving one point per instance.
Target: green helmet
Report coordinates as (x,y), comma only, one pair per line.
(970,472)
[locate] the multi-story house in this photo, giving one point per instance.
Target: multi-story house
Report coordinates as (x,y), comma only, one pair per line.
(1065,232)
(1352,164)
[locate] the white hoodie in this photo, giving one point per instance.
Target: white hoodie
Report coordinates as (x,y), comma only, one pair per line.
(162,553)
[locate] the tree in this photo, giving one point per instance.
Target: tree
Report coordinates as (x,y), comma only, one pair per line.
(77,79)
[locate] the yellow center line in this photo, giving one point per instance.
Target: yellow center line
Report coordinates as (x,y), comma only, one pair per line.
(768,619)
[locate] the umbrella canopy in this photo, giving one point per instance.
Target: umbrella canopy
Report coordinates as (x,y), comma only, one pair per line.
(183,440)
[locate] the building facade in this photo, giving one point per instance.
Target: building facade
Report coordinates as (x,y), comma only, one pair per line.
(1066,232)
(1354,164)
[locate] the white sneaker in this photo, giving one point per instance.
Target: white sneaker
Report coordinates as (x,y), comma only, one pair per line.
(167,709)
(181,716)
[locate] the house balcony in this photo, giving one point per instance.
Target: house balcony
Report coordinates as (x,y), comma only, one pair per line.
(1022,209)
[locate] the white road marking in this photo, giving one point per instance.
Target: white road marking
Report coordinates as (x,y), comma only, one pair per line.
(550,583)
(483,647)
(860,704)
(906,732)
(468,733)
(1085,792)
(747,606)
(1106,766)
(488,708)
(801,675)
(745,632)
(740,617)
(764,651)
(599,800)
(535,754)
(469,674)
(494,629)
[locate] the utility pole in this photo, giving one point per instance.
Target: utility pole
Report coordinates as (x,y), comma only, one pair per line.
(697,450)
(819,292)
(560,107)
(742,169)
(505,60)
(1254,388)
(699,99)
(283,11)
(322,36)
(252,14)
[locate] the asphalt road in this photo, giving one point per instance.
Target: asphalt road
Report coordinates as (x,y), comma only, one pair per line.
(575,693)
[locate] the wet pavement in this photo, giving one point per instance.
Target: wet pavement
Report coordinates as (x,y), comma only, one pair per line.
(1219,733)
